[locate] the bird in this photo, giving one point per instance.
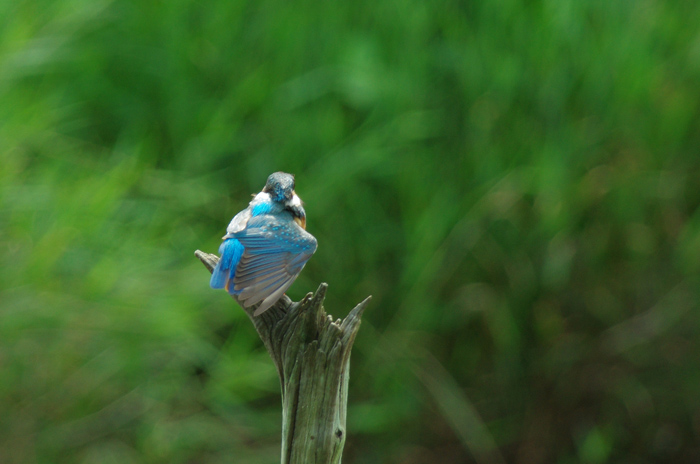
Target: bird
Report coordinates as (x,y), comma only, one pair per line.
(265,247)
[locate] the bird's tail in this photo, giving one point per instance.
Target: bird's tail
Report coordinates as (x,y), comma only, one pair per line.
(231,251)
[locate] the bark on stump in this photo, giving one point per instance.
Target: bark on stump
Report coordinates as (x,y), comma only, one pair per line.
(312,355)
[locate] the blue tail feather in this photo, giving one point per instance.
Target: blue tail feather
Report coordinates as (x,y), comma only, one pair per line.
(231,251)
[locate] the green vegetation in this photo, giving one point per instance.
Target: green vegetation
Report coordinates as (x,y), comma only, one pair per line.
(515,183)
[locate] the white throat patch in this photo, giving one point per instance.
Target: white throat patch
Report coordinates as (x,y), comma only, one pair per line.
(262,196)
(295,201)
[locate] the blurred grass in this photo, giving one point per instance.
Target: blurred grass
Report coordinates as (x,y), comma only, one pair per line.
(515,183)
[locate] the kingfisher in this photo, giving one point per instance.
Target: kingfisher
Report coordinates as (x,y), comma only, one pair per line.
(265,247)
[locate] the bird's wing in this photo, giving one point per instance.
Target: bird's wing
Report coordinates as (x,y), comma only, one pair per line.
(276,250)
(238,222)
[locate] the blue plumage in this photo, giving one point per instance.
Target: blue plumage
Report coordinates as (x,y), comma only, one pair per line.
(231,251)
(261,208)
(266,246)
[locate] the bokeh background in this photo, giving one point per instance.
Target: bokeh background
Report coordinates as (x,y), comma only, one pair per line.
(515,183)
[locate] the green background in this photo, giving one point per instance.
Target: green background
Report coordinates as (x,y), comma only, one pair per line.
(516,183)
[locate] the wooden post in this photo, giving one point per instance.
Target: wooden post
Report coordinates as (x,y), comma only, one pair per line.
(312,355)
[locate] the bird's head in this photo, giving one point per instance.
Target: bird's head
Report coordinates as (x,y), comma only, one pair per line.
(280,187)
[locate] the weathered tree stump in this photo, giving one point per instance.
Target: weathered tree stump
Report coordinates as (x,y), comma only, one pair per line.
(312,355)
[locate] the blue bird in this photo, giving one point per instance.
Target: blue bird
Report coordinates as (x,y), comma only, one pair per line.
(266,246)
